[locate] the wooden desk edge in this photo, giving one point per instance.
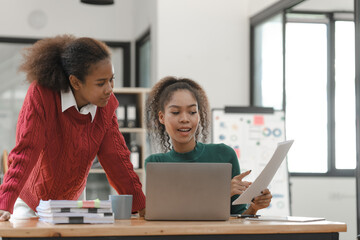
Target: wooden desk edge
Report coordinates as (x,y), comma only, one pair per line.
(139,227)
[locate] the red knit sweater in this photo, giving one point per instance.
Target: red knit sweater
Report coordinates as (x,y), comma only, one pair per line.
(54,152)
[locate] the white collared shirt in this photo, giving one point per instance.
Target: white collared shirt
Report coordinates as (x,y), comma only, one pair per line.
(68,100)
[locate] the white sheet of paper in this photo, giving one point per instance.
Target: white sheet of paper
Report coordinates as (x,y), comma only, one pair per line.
(267,174)
(286,218)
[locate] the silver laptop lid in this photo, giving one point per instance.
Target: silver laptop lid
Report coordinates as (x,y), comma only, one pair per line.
(188,191)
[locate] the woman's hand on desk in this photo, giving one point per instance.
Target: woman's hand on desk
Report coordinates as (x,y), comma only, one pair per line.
(238,186)
(4,215)
(142,212)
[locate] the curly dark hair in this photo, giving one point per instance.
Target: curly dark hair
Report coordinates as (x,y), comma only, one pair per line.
(51,61)
(160,95)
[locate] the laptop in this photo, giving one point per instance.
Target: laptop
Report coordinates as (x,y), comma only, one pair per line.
(188,191)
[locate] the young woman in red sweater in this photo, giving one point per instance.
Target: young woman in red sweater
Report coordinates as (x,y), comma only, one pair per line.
(67,118)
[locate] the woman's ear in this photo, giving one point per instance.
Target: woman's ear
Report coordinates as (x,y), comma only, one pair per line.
(74,82)
(161,117)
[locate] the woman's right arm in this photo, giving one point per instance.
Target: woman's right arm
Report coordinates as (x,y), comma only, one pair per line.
(30,141)
(4,215)
(238,186)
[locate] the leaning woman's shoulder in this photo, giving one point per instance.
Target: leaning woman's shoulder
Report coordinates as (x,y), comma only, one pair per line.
(35,86)
(37,93)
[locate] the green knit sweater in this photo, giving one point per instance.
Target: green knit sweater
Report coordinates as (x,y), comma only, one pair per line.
(211,153)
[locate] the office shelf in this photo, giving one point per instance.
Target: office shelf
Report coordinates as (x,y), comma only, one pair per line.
(101,171)
(132,130)
(137,134)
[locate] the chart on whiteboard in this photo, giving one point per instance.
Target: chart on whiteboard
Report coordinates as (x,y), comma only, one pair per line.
(254,137)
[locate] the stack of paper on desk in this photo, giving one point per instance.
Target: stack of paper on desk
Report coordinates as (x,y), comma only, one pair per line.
(287,218)
(71,211)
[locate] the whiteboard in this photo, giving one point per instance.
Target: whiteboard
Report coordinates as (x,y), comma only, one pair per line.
(254,134)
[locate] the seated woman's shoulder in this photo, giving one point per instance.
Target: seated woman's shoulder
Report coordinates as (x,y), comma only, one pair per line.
(156,157)
(219,146)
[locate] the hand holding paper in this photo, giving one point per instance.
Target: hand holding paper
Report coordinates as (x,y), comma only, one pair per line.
(238,186)
(262,201)
(265,177)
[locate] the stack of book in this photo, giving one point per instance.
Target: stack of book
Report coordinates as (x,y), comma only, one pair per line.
(72,211)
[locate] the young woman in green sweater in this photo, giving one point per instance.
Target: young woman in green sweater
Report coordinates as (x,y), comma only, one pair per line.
(177,118)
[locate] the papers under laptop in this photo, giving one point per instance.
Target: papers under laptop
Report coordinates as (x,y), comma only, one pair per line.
(267,174)
(188,191)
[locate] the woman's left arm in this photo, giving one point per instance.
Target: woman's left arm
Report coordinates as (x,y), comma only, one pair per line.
(259,202)
(114,157)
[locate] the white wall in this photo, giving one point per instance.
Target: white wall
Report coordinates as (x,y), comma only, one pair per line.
(256,6)
(113,22)
(333,198)
(206,40)
(145,17)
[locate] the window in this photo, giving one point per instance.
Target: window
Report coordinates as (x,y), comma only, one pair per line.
(268,62)
(317,91)
(345,144)
(306,98)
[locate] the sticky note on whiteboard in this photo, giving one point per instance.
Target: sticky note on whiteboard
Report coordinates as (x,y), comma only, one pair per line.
(258,120)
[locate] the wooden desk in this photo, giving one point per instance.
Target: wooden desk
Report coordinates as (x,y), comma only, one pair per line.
(141,229)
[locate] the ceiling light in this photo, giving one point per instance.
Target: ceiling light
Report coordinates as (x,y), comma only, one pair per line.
(98,2)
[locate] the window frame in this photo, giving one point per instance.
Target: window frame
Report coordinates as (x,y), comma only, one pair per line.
(278,8)
(144,38)
(255,21)
(357,97)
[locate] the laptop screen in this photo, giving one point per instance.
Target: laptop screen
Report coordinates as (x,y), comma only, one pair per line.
(188,191)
